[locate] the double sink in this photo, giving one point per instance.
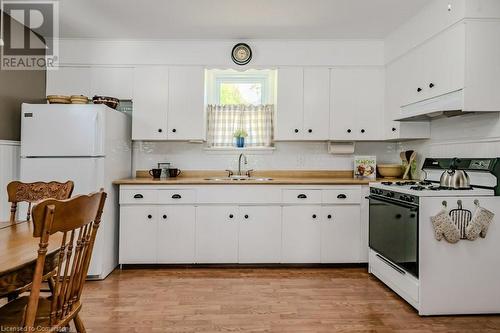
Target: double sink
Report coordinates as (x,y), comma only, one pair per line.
(239,178)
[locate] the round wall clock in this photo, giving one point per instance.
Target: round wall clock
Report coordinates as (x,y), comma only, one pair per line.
(241,54)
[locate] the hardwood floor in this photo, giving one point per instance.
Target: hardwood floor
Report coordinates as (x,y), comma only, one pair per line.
(257,300)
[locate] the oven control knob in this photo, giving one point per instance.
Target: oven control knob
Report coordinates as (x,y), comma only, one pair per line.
(411,199)
(403,197)
(390,194)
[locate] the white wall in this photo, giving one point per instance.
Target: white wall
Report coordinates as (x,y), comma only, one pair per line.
(9,171)
(214,53)
(287,156)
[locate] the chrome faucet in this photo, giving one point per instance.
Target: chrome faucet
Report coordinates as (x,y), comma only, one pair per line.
(239,162)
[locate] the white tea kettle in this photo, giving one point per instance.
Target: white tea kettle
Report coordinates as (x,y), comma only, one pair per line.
(455,178)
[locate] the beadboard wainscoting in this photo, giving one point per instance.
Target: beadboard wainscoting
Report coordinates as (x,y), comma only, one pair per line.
(286,156)
(9,170)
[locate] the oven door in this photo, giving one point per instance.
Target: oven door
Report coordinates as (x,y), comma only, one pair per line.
(394,232)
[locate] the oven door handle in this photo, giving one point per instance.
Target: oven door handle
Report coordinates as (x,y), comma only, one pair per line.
(397,203)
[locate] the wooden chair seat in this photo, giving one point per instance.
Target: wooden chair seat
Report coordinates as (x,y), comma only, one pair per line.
(12,314)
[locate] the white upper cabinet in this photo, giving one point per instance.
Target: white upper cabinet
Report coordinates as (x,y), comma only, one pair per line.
(396,95)
(316,103)
(115,82)
(149,117)
(434,68)
(290,103)
(357,103)
(302,108)
(463,59)
(68,81)
(186,114)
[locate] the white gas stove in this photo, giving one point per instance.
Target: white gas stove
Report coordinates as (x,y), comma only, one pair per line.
(434,276)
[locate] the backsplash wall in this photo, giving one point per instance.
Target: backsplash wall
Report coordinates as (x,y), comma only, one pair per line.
(286,156)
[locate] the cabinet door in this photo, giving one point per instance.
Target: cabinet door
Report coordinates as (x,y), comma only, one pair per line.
(340,234)
(115,82)
(260,234)
(149,116)
(176,233)
(68,81)
(217,234)
(138,230)
(343,118)
(316,103)
(446,54)
(370,101)
(186,114)
(290,104)
(357,103)
(301,234)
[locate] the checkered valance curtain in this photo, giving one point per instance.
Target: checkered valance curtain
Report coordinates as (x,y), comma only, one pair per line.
(224,120)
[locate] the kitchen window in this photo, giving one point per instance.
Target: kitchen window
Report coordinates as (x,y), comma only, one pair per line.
(240,101)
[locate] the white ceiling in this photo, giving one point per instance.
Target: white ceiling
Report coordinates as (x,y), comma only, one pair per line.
(234,19)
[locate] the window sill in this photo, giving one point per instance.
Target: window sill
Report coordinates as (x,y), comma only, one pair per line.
(234,150)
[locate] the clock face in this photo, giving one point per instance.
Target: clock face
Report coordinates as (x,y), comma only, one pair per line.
(241,54)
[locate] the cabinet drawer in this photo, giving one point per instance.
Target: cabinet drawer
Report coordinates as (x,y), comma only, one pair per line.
(176,196)
(340,196)
(139,196)
(403,284)
(241,195)
(302,196)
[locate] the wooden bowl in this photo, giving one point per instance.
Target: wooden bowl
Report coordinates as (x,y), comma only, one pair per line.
(390,170)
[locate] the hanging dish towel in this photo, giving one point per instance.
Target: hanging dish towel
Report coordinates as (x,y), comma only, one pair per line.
(479,224)
(444,227)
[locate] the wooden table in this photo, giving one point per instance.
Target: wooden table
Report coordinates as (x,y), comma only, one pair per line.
(18,253)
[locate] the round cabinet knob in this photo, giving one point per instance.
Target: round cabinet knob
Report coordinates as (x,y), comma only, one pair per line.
(419,89)
(150,216)
(394,129)
(431,85)
(164,217)
(231,216)
(363,130)
(310,130)
(174,130)
(246,216)
(160,130)
(314,216)
(329,216)
(349,130)
(296,130)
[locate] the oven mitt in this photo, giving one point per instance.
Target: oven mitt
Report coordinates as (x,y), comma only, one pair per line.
(444,227)
(479,223)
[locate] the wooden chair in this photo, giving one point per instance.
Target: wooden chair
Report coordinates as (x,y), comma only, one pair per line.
(78,219)
(34,192)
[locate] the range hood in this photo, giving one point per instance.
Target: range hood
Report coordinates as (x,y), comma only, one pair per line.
(447,105)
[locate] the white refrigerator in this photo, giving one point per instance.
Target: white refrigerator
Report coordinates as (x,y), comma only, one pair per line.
(88,144)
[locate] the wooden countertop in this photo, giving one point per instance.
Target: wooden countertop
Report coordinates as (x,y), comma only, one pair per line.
(281,177)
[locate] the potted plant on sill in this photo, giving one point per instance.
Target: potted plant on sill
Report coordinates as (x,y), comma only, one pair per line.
(240,136)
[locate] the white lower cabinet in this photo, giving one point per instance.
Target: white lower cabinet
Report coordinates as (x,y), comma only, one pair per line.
(301,234)
(259,237)
(308,225)
(340,234)
(176,234)
(217,234)
(138,230)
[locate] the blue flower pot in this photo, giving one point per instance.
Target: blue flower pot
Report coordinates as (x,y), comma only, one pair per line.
(240,142)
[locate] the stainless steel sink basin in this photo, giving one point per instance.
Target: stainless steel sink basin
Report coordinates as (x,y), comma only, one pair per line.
(239,178)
